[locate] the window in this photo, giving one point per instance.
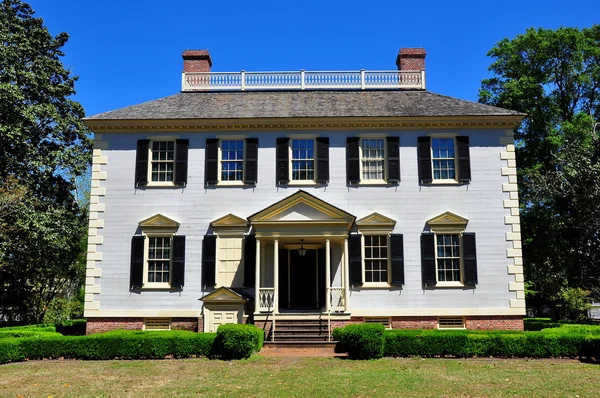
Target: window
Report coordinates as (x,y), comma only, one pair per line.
(163,161)
(448,253)
(157,255)
(230,269)
(448,258)
(442,151)
(376,259)
(232,160)
(303,160)
(444,160)
(157,323)
(372,159)
(158,260)
(376,254)
(385,321)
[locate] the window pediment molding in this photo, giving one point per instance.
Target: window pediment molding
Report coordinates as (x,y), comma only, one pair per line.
(223,295)
(159,223)
(376,222)
(447,222)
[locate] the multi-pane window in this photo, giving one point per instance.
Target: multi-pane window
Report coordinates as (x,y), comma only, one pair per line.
(376,258)
(373,158)
(303,160)
(448,258)
(230,258)
(163,161)
(442,151)
(159,259)
(232,160)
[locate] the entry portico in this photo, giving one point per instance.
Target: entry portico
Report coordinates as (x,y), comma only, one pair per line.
(302,260)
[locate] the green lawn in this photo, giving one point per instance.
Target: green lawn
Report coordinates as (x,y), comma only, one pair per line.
(303,377)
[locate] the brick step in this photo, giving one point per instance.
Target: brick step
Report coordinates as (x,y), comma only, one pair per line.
(300,330)
(304,338)
(299,349)
(299,327)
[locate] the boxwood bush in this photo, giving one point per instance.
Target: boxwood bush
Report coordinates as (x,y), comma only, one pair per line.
(238,341)
(362,341)
(112,345)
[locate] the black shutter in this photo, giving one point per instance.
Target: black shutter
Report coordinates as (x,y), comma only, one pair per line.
(397,252)
(283,161)
(249,260)
(136,273)
(141,162)
(428,268)
(464,159)
(424,153)
(393,160)
(469,258)
(211,175)
(355,249)
(352,160)
(209,252)
(322,160)
(181,161)
(178,272)
(251,161)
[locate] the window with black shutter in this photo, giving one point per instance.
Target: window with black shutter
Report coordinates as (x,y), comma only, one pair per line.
(211,173)
(464,159)
(283,161)
(141,163)
(178,262)
(251,161)
(352,160)
(209,252)
(355,263)
(393,160)
(136,272)
(424,154)
(181,161)
(397,259)
(322,156)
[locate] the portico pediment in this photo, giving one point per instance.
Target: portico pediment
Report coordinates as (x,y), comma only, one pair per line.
(302,211)
(224,295)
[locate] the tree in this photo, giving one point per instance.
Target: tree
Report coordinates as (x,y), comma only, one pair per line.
(45,148)
(554,77)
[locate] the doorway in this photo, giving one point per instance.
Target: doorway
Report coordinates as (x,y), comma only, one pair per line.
(302,280)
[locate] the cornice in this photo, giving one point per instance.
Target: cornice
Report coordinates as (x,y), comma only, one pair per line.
(278,124)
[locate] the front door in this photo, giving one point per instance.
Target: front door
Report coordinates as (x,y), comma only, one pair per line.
(302,280)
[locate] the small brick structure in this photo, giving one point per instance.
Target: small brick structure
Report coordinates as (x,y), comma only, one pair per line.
(411,59)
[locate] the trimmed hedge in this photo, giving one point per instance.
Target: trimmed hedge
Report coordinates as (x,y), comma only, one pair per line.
(238,341)
(433,343)
(362,341)
(74,327)
(111,345)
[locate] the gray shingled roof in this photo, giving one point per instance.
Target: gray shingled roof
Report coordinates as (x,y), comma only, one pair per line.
(283,104)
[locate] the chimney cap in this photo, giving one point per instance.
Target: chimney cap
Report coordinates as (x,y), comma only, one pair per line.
(412,51)
(197,55)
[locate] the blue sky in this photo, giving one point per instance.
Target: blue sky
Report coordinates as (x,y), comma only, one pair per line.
(129,51)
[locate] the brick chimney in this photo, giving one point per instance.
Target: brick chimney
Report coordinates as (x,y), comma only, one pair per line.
(411,59)
(196,61)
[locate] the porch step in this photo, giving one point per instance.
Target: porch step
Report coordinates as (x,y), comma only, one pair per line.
(298,349)
(298,330)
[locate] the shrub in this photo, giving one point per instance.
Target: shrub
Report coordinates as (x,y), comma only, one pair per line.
(571,303)
(61,310)
(362,341)
(236,341)
(117,344)
(75,327)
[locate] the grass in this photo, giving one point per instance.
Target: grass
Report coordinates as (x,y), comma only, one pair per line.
(302,377)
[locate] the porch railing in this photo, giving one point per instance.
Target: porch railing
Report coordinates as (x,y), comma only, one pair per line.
(303,80)
(336,297)
(266,299)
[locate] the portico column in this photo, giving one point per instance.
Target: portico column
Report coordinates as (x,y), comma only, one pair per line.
(257,278)
(276,275)
(327,275)
(346,277)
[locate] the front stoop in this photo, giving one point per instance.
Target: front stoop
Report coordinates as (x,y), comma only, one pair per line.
(299,349)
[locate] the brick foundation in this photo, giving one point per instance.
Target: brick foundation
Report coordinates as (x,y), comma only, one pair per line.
(494,323)
(431,322)
(100,325)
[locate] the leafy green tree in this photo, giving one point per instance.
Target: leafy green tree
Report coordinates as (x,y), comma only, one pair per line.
(554,77)
(45,148)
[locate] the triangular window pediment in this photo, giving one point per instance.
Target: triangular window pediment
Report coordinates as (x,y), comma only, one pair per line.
(229,221)
(446,221)
(158,221)
(223,295)
(375,220)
